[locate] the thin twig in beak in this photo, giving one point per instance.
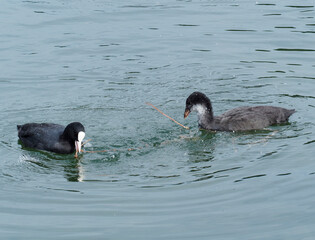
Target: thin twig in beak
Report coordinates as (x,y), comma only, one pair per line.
(85,142)
(167,115)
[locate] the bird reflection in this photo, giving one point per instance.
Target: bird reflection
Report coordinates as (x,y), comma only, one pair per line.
(51,163)
(74,171)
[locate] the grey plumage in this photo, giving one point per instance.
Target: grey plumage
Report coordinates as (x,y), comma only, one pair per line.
(237,119)
(251,118)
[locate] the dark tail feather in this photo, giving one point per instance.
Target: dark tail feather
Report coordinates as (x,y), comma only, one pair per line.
(290,112)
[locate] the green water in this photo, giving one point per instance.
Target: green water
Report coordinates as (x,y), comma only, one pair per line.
(99,62)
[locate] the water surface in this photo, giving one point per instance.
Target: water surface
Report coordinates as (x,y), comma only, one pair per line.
(99,62)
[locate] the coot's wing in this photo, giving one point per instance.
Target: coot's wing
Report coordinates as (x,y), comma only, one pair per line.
(40,135)
(275,115)
(251,118)
(244,119)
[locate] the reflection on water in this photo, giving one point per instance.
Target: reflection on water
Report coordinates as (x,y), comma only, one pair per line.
(49,163)
(74,172)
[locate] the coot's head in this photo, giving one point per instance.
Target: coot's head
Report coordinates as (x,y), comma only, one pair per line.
(75,132)
(197,102)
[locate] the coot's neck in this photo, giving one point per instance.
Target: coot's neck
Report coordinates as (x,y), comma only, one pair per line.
(65,136)
(205,116)
(67,140)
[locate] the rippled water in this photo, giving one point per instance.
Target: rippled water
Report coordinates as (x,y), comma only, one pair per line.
(99,62)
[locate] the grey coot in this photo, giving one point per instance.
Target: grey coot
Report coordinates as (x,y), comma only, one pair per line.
(52,137)
(237,119)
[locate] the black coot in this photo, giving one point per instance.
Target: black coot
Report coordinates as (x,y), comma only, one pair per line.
(52,137)
(237,119)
